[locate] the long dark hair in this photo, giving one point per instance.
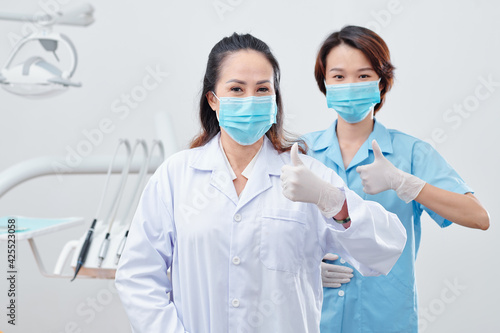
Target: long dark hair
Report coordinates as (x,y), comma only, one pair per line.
(210,125)
(372,46)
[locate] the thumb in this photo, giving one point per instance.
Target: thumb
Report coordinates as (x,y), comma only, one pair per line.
(360,169)
(376,150)
(294,155)
(330,256)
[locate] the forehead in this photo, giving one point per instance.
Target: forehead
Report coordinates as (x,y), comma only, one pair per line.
(345,56)
(247,64)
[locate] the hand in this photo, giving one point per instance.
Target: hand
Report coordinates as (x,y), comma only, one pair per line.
(334,275)
(301,184)
(381,176)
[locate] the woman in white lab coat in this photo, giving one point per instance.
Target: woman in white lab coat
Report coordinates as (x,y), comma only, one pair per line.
(240,221)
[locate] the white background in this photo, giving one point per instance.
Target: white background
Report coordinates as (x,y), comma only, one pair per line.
(441,49)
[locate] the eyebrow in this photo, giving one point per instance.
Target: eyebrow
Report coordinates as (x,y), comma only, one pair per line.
(243,82)
(359,70)
(237,81)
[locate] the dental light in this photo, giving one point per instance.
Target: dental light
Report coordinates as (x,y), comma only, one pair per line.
(35,76)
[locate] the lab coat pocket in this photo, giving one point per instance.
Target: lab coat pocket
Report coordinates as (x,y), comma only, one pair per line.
(282,239)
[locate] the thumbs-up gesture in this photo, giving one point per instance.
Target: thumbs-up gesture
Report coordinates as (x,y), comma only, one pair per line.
(379,176)
(382,175)
(301,184)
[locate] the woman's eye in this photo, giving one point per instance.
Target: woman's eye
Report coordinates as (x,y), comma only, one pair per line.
(364,76)
(263,89)
(236,89)
(338,77)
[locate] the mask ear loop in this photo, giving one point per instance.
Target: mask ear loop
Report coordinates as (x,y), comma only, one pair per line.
(372,109)
(213,93)
(135,198)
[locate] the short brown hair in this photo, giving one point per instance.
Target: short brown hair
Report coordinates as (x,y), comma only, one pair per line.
(372,46)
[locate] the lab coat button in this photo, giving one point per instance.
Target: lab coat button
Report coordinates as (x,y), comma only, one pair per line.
(236,303)
(236,260)
(237,217)
(341,293)
(342,261)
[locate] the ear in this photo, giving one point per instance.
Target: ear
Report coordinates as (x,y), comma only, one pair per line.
(212,101)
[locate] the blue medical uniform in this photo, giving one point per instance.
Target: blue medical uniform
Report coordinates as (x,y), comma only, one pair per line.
(383,304)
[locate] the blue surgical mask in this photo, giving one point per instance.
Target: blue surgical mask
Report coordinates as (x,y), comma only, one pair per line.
(247,119)
(353,101)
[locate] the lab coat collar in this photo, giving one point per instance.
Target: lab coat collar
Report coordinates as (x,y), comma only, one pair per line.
(328,140)
(212,159)
(248,170)
(269,159)
(268,164)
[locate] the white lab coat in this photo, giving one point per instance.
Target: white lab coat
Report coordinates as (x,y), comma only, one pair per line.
(247,264)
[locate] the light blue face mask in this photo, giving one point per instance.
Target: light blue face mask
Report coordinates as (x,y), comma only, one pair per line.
(353,101)
(247,119)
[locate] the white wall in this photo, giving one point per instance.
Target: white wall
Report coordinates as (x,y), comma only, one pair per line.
(441,51)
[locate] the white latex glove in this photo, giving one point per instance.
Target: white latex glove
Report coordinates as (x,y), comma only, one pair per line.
(301,184)
(334,275)
(382,175)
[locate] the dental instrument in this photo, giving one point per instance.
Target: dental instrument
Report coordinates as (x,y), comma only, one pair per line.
(88,239)
(114,207)
(85,249)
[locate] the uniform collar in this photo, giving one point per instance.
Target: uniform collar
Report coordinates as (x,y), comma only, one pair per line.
(383,137)
(328,140)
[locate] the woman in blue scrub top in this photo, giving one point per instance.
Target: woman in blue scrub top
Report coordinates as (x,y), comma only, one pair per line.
(402,173)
